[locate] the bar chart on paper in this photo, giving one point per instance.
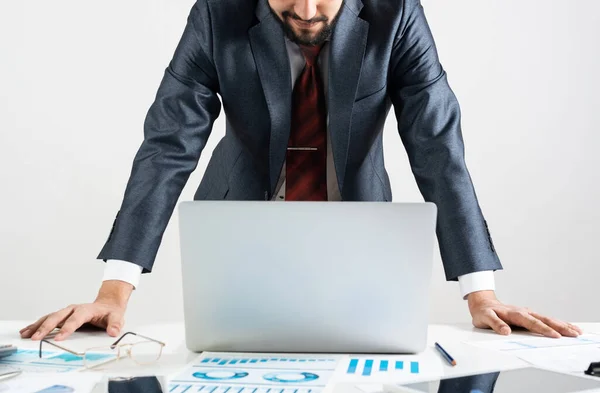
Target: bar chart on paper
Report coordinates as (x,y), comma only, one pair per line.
(370,367)
(256,373)
(294,373)
(270,362)
(389,368)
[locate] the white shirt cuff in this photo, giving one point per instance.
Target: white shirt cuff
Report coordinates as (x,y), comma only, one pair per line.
(122,270)
(477,281)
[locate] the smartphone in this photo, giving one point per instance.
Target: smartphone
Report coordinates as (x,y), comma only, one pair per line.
(148,384)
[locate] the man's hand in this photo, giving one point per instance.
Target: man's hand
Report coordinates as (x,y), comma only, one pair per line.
(488,312)
(106,312)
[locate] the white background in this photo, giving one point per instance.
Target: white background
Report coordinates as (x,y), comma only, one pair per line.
(77,78)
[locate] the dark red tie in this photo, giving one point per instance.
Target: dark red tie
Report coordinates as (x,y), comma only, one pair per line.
(306,158)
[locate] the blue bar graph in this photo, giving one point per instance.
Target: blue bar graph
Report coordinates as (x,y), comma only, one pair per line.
(211,360)
(256,361)
(414,367)
(352,366)
(368,367)
(383,365)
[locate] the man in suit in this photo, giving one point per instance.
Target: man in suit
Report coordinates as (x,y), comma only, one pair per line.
(306,86)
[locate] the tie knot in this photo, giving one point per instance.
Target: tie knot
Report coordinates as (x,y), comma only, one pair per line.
(310,53)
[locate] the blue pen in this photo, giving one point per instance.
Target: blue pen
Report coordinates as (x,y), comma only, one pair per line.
(445,354)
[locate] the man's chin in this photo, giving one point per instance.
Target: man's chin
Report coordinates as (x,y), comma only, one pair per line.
(305,37)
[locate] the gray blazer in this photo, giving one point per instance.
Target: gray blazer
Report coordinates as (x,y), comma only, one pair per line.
(382,53)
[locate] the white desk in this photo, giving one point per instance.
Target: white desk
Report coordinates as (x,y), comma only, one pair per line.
(470,359)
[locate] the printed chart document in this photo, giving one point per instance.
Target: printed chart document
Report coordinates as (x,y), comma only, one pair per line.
(51,361)
(255,373)
(565,359)
(297,373)
(366,369)
(537,342)
(565,354)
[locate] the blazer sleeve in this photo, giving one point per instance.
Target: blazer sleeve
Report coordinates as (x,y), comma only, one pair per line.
(176,129)
(428,117)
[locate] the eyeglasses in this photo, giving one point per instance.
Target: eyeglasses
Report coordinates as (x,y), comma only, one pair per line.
(143,352)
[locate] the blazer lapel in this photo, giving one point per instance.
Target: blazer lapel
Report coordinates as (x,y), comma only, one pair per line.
(348,43)
(268,47)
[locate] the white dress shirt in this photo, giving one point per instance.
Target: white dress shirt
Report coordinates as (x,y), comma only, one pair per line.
(130,272)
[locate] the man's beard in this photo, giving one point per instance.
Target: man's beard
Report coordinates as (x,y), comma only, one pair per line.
(307,38)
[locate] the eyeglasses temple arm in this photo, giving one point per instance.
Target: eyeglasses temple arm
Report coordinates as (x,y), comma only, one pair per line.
(120,338)
(58,346)
(151,339)
(139,335)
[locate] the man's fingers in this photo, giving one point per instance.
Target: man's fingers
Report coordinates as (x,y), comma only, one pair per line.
(74,322)
(25,329)
(563,328)
(114,324)
(531,323)
(29,330)
(576,328)
(497,324)
(50,323)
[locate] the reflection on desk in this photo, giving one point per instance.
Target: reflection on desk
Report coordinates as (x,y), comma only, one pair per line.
(523,380)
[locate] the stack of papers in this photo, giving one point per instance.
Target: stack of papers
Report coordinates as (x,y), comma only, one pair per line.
(51,361)
(565,354)
(295,373)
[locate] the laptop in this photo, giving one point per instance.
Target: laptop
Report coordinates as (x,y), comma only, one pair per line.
(316,277)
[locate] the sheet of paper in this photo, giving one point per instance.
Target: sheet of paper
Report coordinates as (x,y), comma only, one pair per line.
(51,361)
(52,383)
(566,359)
(389,369)
(256,373)
(565,354)
(300,373)
(530,343)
